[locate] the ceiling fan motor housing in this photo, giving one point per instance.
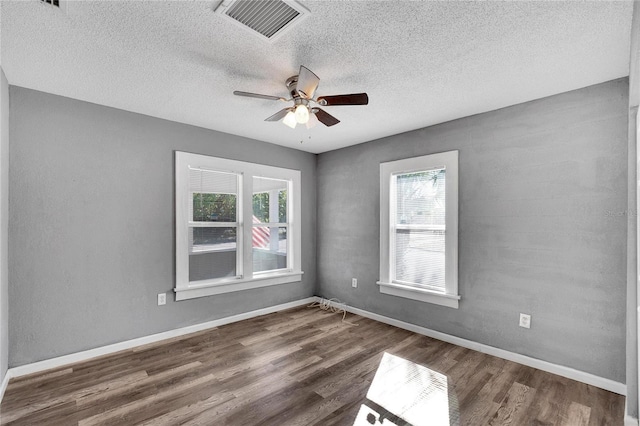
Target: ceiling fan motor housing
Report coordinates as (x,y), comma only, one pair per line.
(292,85)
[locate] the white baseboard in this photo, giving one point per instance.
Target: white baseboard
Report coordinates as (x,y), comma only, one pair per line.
(600,382)
(580,376)
(628,420)
(116,347)
(5,382)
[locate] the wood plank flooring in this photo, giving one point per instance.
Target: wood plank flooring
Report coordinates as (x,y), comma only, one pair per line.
(304,366)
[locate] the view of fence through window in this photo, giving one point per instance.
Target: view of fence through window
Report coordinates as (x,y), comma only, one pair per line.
(270,224)
(419,228)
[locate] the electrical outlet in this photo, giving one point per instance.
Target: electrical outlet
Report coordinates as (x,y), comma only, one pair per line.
(354,282)
(525,320)
(162,299)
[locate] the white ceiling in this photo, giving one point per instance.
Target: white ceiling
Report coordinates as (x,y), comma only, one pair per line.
(421,62)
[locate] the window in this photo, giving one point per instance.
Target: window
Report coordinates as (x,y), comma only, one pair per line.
(237,226)
(269,234)
(419,228)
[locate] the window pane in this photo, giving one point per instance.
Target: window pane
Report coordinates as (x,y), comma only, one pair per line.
(214,207)
(214,196)
(420,244)
(270,200)
(421,198)
(269,248)
(211,239)
(212,253)
(420,257)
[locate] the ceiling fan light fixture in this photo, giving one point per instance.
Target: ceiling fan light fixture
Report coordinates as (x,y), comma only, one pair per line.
(290,120)
(313,120)
(302,114)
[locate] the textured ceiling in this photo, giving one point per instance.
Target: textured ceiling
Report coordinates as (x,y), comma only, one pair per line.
(421,62)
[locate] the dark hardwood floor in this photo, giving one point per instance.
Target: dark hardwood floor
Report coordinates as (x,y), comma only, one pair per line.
(304,366)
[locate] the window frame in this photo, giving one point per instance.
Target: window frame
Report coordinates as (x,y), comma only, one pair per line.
(245,278)
(387,282)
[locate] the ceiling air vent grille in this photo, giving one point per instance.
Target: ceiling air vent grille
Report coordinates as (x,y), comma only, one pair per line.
(267,18)
(60,5)
(55,3)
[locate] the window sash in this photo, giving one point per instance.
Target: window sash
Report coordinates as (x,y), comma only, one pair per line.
(395,265)
(237,225)
(398,225)
(399,286)
(273,187)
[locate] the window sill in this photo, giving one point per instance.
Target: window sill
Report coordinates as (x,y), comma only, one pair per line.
(419,294)
(209,289)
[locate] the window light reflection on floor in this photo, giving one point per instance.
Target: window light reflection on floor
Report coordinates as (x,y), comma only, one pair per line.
(404,393)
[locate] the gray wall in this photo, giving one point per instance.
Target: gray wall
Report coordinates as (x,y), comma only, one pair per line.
(543,227)
(92,225)
(4,220)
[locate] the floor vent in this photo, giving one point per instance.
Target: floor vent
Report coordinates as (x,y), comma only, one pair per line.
(268,19)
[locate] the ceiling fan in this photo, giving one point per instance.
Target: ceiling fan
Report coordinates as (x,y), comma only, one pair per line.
(302,88)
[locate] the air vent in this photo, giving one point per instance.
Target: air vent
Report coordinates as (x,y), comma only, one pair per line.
(268,19)
(56,5)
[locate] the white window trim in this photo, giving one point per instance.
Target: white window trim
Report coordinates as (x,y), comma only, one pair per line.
(387,283)
(185,289)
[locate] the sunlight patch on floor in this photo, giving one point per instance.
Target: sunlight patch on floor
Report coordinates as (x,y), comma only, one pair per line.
(405,393)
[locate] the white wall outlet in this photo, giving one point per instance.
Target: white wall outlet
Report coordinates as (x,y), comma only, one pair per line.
(162,299)
(525,320)
(354,282)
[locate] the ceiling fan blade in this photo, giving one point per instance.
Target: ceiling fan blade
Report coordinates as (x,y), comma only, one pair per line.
(307,82)
(352,99)
(325,118)
(279,115)
(258,95)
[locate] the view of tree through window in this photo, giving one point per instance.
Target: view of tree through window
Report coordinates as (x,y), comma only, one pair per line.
(261,206)
(214,207)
